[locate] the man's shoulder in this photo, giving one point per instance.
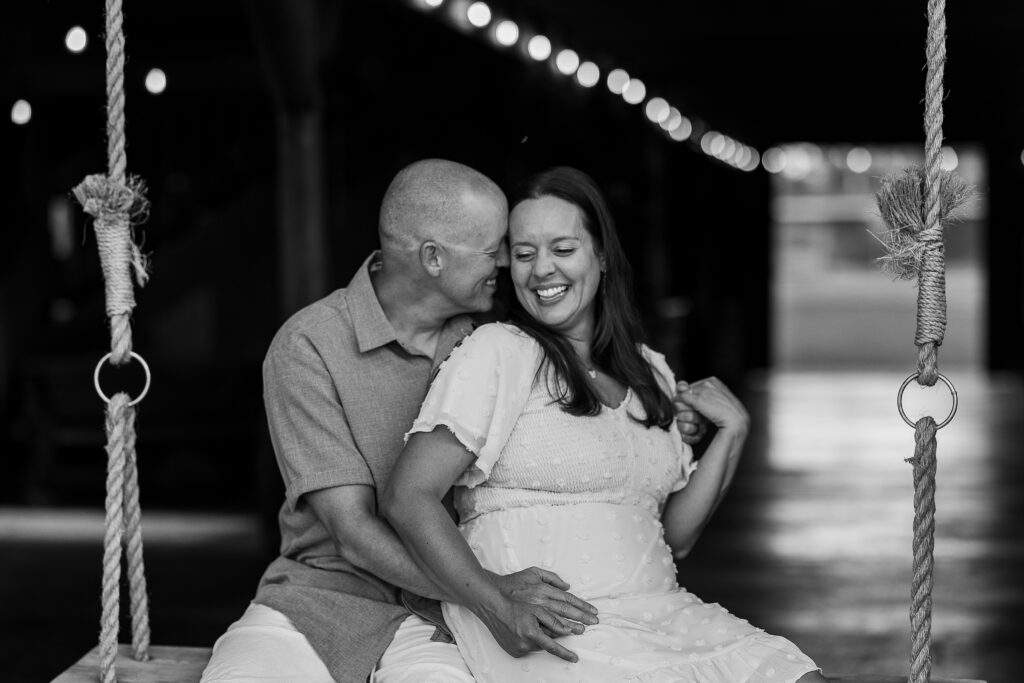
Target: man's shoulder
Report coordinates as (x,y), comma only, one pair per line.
(325,318)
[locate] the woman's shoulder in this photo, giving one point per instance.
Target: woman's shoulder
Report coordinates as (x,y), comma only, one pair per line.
(495,345)
(503,336)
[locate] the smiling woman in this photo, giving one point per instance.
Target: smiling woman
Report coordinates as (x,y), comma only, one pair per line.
(555,265)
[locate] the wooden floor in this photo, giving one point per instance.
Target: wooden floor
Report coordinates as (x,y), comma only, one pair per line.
(813,542)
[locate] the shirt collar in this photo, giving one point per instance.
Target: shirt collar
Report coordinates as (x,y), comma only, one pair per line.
(372,327)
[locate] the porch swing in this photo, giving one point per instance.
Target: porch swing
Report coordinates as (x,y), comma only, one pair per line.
(913,204)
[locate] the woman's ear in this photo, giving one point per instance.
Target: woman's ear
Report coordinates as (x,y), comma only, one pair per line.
(432,258)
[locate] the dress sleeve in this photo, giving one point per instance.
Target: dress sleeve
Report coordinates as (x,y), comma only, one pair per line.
(667,381)
(479,392)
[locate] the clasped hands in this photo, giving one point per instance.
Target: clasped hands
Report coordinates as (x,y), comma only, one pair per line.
(704,403)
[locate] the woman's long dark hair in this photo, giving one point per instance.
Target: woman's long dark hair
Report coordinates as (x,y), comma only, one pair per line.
(617,332)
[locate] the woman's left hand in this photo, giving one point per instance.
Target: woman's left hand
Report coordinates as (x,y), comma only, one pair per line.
(714,401)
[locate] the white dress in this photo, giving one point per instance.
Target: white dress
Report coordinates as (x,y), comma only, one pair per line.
(582,497)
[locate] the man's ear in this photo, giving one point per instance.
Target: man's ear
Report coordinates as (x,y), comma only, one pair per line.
(432,258)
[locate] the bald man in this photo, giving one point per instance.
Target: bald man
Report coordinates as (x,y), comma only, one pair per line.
(343,381)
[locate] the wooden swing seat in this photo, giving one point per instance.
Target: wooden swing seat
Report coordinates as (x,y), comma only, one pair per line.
(170,664)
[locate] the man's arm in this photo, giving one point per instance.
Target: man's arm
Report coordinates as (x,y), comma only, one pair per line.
(430,463)
(367,541)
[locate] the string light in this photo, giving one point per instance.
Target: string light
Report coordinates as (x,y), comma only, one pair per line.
(156,81)
(21,112)
(479,14)
(858,160)
(507,33)
(635,91)
(672,121)
(588,74)
(774,160)
(76,39)
(618,79)
(567,62)
(949,159)
(657,110)
(539,48)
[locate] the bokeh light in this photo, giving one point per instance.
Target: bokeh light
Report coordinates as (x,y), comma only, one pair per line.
(949,159)
(673,119)
(539,47)
(682,131)
(21,112)
(433,3)
(774,159)
(479,14)
(156,81)
(506,33)
(858,160)
(618,79)
(755,160)
(657,110)
(567,62)
(635,91)
(76,39)
(588,74)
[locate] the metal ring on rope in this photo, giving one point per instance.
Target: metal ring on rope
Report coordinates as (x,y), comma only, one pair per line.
(96,378)
(949,385)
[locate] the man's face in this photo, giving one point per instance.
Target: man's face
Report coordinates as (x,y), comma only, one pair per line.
(470,277)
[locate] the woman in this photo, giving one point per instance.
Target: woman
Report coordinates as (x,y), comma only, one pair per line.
(558,431)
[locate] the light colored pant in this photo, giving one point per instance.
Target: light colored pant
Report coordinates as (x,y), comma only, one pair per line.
(264,646)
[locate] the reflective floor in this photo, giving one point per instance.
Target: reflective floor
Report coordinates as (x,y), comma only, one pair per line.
(813,542)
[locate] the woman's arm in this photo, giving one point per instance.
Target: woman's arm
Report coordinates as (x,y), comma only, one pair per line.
(688,510)
(429,465)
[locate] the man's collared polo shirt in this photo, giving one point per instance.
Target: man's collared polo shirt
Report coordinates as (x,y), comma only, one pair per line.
(340,393)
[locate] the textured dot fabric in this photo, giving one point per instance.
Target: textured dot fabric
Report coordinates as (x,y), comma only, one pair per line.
(582,497)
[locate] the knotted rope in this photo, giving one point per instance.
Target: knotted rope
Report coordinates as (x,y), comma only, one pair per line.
(914,205)
(115,202)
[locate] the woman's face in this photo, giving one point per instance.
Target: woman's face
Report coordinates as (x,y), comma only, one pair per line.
(555,266)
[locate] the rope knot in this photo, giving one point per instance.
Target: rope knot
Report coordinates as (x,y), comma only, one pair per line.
(115,208)
(913,246)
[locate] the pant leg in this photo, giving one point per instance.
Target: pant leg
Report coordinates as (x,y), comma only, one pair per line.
(263,645)
(413,657)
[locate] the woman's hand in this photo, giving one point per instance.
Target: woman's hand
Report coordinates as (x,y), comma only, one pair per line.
(712,399)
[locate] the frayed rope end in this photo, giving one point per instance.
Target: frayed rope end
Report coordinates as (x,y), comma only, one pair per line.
(900,205)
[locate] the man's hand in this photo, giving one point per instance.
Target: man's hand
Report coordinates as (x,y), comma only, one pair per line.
(693,426)
(537,609)
(546,589)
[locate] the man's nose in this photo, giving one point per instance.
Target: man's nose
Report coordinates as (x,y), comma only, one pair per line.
(503,258)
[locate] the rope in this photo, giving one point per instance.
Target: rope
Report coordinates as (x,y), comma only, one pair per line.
(931,328)
(931,292)
(115,202)
(924,464)
(914,205)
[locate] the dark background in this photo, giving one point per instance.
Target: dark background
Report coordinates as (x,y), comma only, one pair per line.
(283,122)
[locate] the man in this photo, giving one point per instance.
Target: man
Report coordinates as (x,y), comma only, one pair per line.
(343,381)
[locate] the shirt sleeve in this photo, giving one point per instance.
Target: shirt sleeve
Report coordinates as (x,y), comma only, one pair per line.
(667,381)
(479,393)
(308,426)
